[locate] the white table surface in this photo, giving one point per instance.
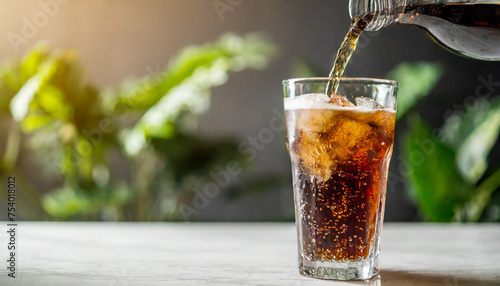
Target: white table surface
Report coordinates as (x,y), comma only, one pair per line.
(237,254)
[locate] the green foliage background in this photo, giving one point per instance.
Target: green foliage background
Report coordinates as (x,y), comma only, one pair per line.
(146,128)
(449,175)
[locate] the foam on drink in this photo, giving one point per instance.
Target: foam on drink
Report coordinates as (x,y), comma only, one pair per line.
(323,101)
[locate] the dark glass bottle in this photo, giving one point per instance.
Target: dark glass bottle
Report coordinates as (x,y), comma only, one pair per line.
(469,28)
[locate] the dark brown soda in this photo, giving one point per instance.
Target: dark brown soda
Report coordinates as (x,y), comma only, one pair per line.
(343,212)
(469,29)
(341,158)
(477,15)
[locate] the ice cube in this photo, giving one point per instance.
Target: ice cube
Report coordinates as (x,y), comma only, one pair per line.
(307,101)
(326,133)
(340,100)
(327,137)
(368,103)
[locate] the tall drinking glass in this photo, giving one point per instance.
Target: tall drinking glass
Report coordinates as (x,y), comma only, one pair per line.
(340,148)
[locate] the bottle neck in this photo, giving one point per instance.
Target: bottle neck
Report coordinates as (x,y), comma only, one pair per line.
(384,12)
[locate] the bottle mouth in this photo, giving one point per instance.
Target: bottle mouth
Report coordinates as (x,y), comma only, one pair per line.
(381,11)
(363,8)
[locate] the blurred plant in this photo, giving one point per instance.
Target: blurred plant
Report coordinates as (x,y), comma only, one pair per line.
(450,177)
(130,153)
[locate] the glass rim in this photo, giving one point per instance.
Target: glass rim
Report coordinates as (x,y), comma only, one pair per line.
(342,80)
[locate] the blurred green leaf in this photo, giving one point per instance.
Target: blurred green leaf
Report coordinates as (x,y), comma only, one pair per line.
(416,80)
(492,211)
(10,83)
(480,199)
(51,100)
(445,185)
(205,65)
(185,86)
(473,134)
(438,187)
(32,61)
(73,127)
(19,105)
(35,122)
(68,201)
(156,121)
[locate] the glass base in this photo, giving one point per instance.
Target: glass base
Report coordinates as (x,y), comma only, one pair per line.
(333,270)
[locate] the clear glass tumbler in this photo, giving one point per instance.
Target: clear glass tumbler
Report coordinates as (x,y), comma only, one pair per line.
(340,148)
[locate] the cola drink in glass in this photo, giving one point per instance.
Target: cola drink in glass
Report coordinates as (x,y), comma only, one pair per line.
(340,147)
